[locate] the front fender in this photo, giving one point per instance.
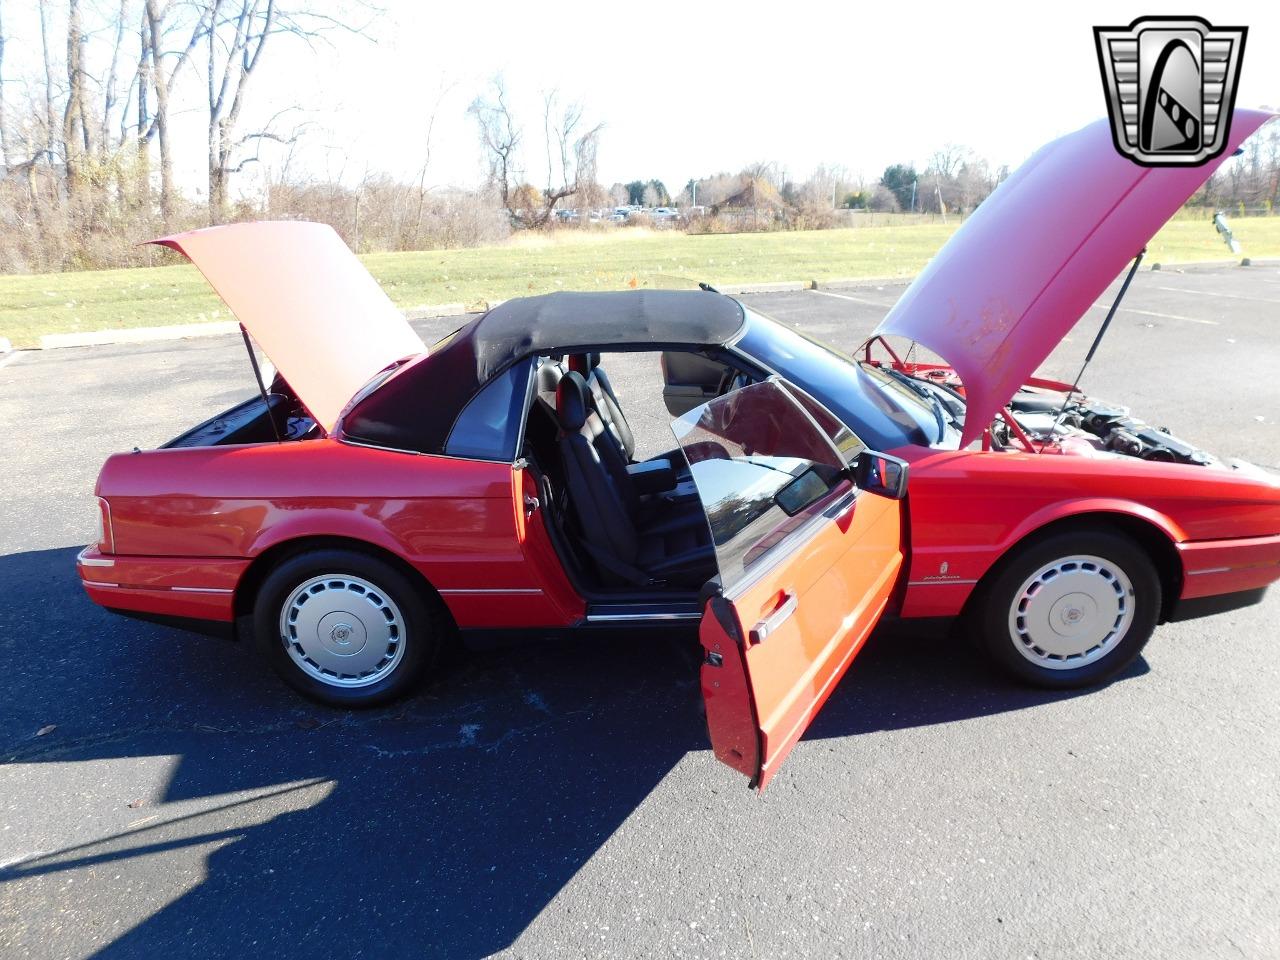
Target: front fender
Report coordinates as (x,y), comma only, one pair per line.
(1062,510)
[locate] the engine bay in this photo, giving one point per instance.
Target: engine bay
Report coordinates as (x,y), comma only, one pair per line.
(1052,420)
(1049,418)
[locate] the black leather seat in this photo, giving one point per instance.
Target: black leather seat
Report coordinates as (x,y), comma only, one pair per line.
(605,400)
(633,540)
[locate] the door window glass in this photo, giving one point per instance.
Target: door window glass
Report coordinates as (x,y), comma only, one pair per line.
(763,469)
(489,426)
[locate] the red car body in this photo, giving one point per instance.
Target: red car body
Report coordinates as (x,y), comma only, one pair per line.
(191,532)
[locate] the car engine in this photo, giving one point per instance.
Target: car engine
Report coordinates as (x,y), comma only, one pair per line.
(1102,426)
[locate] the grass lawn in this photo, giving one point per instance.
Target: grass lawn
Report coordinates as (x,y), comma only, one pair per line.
(35,304)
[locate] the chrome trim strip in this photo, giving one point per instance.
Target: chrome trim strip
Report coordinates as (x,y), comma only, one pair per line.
(776,554)
(93,561)
(1243,566)
(523,591)
(841,509)
(937,583)
(102,583)
(373,446)
(638,617)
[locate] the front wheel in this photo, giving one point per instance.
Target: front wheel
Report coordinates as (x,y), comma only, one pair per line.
(346,629)
(1070,610)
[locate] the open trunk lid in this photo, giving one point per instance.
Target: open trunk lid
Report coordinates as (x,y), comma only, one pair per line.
(308,302)
(1036,254)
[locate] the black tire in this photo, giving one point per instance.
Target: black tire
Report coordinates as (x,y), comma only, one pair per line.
(424,626)
(988,618)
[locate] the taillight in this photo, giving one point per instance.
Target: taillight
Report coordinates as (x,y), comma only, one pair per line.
(105,539)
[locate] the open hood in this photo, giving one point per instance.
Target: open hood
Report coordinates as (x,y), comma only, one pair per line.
(308,302)
(1037,253)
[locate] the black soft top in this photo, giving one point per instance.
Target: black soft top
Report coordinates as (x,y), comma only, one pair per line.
(416,407)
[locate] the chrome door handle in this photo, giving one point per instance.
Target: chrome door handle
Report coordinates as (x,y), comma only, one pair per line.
(776,619)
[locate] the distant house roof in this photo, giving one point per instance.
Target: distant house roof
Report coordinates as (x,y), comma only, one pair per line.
(758,194)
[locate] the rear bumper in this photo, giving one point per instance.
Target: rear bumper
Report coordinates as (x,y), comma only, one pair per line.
(1216,567)
(198,588)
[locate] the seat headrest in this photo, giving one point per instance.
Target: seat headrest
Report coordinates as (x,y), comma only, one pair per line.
(584,363)
(571,402)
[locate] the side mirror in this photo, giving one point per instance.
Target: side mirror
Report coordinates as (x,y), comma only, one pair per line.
(881,473)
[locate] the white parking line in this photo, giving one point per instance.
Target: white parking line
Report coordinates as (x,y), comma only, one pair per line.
(862,300)
(1225,296)
(1152,313)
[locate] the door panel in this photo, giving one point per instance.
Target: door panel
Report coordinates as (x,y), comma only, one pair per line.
(689,380)
(836,586)
(807,565)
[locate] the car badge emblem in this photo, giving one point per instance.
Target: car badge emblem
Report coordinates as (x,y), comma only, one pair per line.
(1171,86)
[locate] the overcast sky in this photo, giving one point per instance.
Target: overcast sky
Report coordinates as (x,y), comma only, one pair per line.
(692,89)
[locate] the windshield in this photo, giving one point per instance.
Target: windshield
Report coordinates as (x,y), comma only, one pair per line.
(884,412)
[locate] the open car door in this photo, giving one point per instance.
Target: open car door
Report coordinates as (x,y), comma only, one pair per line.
(807,556)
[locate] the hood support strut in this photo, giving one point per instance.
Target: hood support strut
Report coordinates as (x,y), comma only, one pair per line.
(262,387)
(1102,332)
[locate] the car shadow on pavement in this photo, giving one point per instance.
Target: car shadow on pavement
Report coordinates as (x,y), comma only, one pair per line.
(441,826)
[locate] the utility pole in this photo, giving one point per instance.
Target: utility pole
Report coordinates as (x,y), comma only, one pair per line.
(914,184)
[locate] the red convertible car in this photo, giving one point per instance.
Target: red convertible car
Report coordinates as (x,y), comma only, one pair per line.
(377,497)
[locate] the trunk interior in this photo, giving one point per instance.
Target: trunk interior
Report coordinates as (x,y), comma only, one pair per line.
(281,418)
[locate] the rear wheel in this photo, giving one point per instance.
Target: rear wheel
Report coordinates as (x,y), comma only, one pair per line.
(344,628)
(1070,610)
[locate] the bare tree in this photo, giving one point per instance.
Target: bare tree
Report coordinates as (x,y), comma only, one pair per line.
(441,93)
(76,148)
(110,95)
(575,147)
(4,134)
(49,128)
(946,161)
(162,79)
(142,83)
(499,138)
(571,149)
(238,33)
(159,125)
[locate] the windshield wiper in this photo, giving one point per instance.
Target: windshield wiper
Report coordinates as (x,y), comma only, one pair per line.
(940,412)
(749,458)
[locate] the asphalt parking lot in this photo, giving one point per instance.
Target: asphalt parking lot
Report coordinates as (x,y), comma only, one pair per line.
(160,795)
